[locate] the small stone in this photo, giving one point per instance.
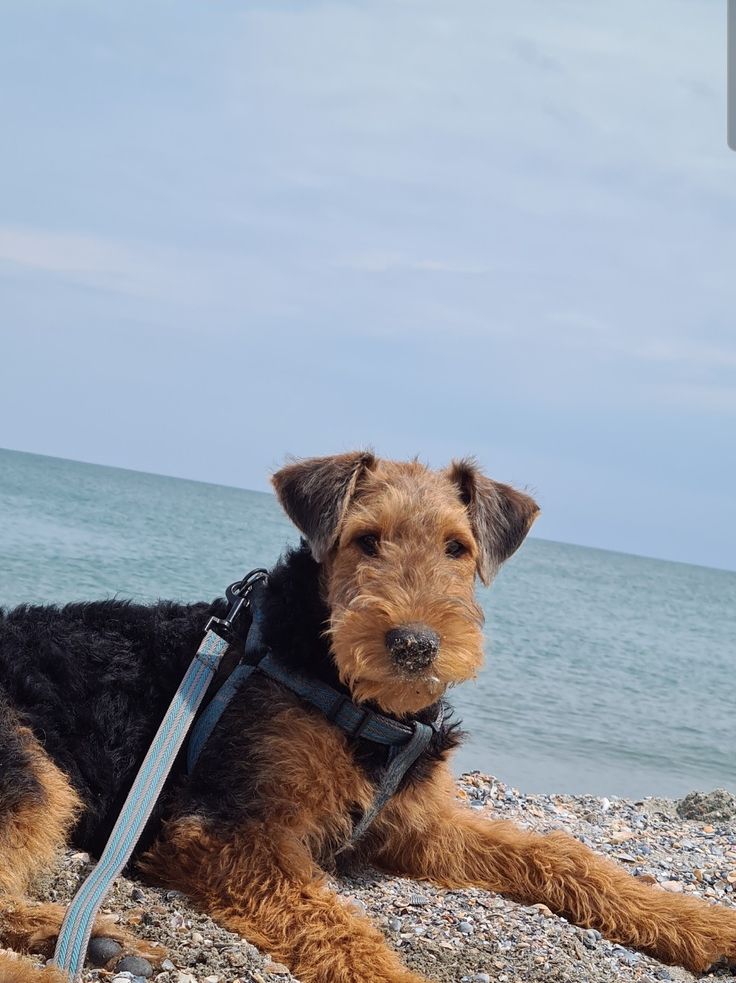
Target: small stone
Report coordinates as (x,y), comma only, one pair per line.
(101,950)
(212,979)
(646,878)
(418,899)
(137,895)
(185,978)
(122,978)
(481,978)
(197,938)
(394,923)
(278,969)
(465,927)
(357,904)
(675,887)
(626,955)
(420,929)
(543,910)
(236,958)
(167,966)
(135,965)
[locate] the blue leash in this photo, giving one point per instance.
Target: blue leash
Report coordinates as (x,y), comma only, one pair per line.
(76,929)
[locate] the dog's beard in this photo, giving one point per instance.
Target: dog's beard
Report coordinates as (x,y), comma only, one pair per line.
(370,674)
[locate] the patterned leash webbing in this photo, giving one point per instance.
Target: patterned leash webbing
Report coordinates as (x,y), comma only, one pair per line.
(76,929)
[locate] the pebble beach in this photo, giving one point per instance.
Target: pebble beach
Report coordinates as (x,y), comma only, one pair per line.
(467,936)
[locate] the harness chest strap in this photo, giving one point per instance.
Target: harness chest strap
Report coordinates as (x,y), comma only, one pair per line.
(406,741)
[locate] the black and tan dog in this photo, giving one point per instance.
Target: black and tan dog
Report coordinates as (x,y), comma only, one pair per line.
(379,603)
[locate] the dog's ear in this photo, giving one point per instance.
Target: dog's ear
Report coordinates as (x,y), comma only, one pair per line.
(315,492)
(500,515)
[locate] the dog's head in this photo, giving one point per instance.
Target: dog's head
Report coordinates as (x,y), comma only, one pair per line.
(400,547)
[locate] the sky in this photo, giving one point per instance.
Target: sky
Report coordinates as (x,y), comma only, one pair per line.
(233,231)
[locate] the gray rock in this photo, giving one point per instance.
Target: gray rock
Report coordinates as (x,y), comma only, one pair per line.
(418,899)
(626,955)
(135,965)
(395,923)
(465,927)
(718,804)
(101,950)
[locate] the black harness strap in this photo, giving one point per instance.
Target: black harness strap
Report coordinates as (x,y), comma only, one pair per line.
(406,741)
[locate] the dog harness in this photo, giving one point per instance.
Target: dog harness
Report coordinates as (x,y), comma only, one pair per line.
(406,742)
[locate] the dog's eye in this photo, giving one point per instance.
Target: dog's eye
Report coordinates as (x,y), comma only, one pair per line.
(455,548)
(368,544)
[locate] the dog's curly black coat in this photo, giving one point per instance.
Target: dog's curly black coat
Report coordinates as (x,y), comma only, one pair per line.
(93,680)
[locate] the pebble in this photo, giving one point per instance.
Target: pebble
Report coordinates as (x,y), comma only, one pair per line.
(626,955)
(465,927)
(136,966)
(675,887)
(102,949)
(395,923)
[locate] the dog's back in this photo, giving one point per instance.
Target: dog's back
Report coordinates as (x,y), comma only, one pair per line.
(91,681)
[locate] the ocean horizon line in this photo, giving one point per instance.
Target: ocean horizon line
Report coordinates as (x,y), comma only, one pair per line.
(269,494)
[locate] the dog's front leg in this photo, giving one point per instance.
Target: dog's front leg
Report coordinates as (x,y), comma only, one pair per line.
(433,838)
(267,888)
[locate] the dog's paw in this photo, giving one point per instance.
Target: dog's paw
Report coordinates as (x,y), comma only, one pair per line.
(715,944)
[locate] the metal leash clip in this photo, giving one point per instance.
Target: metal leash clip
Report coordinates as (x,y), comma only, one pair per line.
(238,594)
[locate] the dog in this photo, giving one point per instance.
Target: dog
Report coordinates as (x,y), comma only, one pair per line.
(378,605)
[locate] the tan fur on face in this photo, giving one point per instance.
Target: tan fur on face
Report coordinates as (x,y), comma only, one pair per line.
(414,512)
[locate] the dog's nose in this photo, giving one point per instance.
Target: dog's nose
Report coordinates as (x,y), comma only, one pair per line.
(413,647)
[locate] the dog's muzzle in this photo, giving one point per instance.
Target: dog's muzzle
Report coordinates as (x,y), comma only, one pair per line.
(413,647)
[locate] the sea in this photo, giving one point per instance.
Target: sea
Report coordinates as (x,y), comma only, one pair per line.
(605,673)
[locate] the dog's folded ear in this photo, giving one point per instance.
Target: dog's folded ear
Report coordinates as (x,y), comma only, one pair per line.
(500,515)
(315,492)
